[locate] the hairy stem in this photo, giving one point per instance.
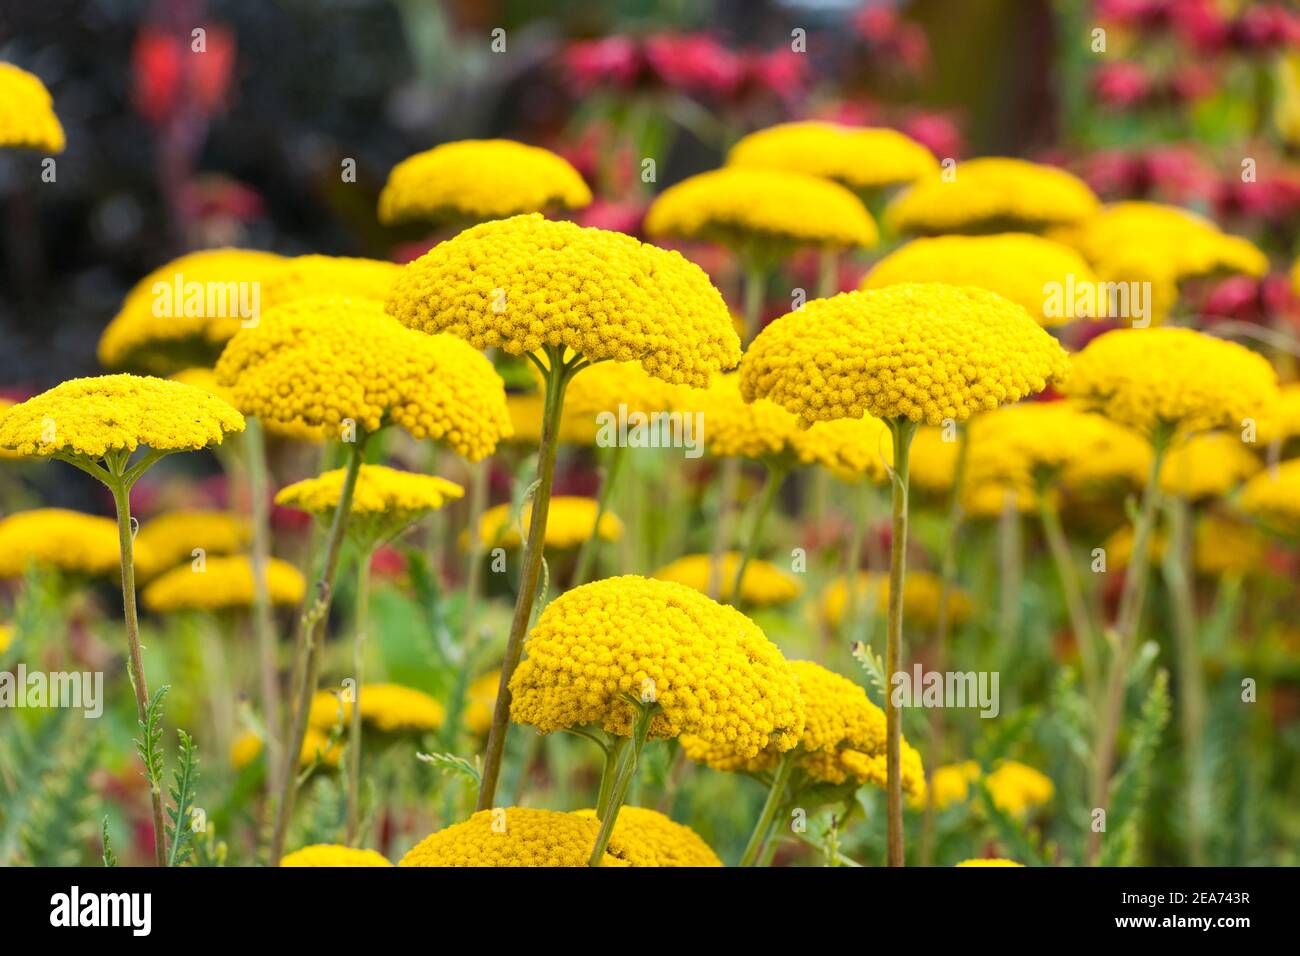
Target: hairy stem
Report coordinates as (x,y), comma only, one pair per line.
(903,430)
(361,626)
(628,760)
(263,619)
(775,796)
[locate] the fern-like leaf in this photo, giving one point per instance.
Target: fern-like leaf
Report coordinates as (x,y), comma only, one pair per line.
(184,779)
(1129,790)
(149,744)
(450,763)
(106,846)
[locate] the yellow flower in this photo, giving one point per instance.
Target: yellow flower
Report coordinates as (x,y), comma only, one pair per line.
(389,708)
(1018,266)
(1226,547)
(511,836)
(989,861)
(314,276)
(385,500)
(1016,788)
(480,698)
(765,584)
(27,117)
(153,332)
(330,854)
(172,538)
(644,837)
(921,591)
(1273,497)
(932,461)
(1282,421)
(67,540)
(325,362)
(850,448)
(91,417)
(569,523)
(522,283)
(926,352)
(479,179)
(1207,465)
(224,583)
(862,158)
(206,379)
(526,410)
(607,385)
(6,637)
(992,194)
(951,783)
(736,428)
(762,209)
(709,668)
(1172,377)
(248,746)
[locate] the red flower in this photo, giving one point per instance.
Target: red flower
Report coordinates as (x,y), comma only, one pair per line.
(938,132)
(169,75)
(610,61)
(694,63)
(611,214)
(780,72)
(1121,85)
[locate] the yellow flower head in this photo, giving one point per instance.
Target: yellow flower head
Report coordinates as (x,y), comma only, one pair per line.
(735,428)
(850,448)
(27,119)
(932,461)
(206,379)
(921,591)
(644,837)
(67,540)
(989,861)
(182,313)
(709,669)
(6,637)
(389,708)
(331,854)
(223,584)
(479,179)
(526,409)
(324,362)
(316,747)
(1227,547)
(1207,465)
(514,836)
(480,698)
(1282,422)
(950,784)
(1016,787)
(523,283)
(925,352)
(92,417)
(862,158)
(762,209)
(1172,377)
(1273,497)
(172,538)
(385,500)
(607,385)
(314,276)
(1016,265)
(765,585)
(992,194)
(569,523)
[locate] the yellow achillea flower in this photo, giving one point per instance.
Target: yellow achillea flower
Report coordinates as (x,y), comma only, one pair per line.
(1207,465)
(951,783)
(1226,547)
(1273,497)
(526,409)
(736,428)
(480,696)
(862,158)
(151,333)
(27,119)
(744,208)
(389,708)
(992,194)
(568,523)
(989,861)
(1283,420)
(511,836)
(206,379)
(171,538)
(1016,787)
(316,746)
(523,283)
(607,385)
(933,458)
(921,591)
(385,500)
(331,854)
(1016,265)
(478,179)
(1172,378)
(765,585)
(850,448)
(323,362)
(645,837)
(223,584)
(709,669)
(925,352)
(57,538)
(6,637)
(91,417)
(313,276)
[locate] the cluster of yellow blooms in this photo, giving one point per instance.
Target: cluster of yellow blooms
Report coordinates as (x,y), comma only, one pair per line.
(325,362)
(1273,496)
(331,854)
(920,351)
(206,379)
(523,283)
(27,119)
(67,540)
(480,696)
(709,669)
(477,179)
(569,523)
(645,837)
(932,461)
(385,500)
(311,276)
(735,428)
(172,538)
(1283,420)
(389,708)
(1207,465)
(921,591)
(862,158)
(764,584)
(223,583)
(1014,787)
(316,748)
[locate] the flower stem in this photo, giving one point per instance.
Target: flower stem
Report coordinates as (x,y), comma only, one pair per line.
(613,753)
(775,477)
(902,430)
(263,621)
(478,491)
(1071,589)
(587,556)
(728,482)
(860,500)
(361,626)
(754,293)
(775,794)
(628,760)
(828,272)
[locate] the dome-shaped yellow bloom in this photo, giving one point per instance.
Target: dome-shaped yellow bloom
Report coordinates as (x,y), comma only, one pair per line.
(479,179)
(1207,465)
(91,417)
(568,523)
(951,783)
(1224,547)
(172,538)
(736,428)
(921,591)
(764,585)
(743,208)
(57,538)
(861,158)
(1031,271)
(992,194)
(526,410)
(1016,787)
(932,460)
(850,448)
(385,500)
(1282,422)
(1273,497)
(316,747)
(645,837)
(514,836)
(330,854)
(206,379)
(1172,377)
(989,861)
(27,119)
(224,583)
(319,362)
(183,312)
(709,668)
(925,352)
(480,697)
(389,708)
(523,283)
(314,276)
(607,385)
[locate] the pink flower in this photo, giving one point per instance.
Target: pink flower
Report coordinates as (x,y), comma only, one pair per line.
(693,63)
(611,214)
(938,132)
(1121,85)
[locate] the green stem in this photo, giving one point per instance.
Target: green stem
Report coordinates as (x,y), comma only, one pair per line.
(478,493)
(775,795)
(828,272)
(860,499)
(1071,589)
(775,477)
(903,431)
(587,556)
(623,779)
(361,626)
(1011,567)
(613,754)
(263,620)
(723,525)
(754,293)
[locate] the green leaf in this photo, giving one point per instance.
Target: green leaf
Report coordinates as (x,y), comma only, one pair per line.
(106,848)
(450,763)
(179,832)
(1129,789)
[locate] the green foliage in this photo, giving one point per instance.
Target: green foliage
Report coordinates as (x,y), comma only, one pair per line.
(1129,788)
(450,763)
(184,779)
(106,847)
(59,821)
(28,752)
(149,744)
